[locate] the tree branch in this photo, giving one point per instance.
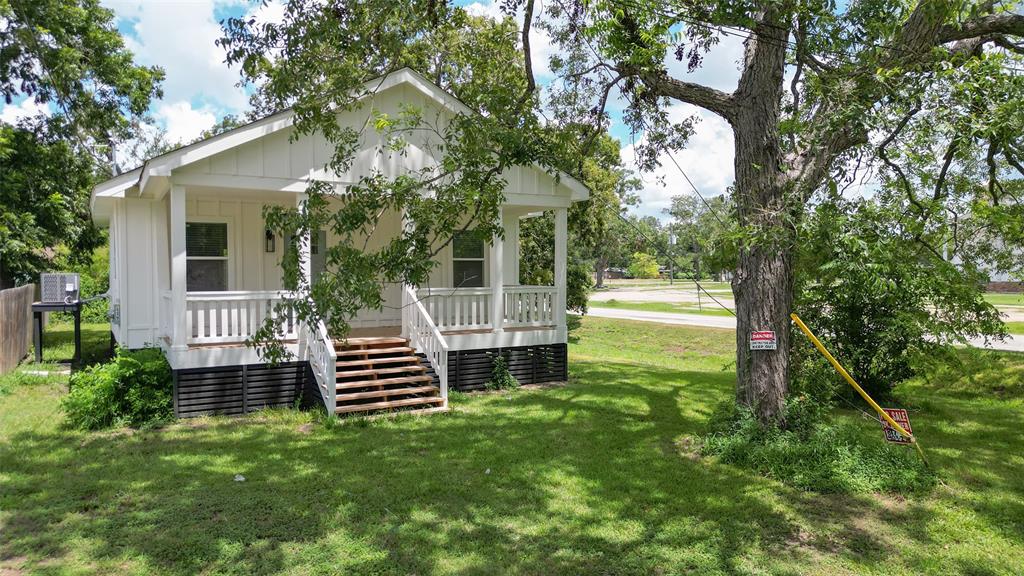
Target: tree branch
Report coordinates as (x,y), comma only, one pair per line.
(907,188)
(1003,23)
(664,85)
(531,82)
(946,161)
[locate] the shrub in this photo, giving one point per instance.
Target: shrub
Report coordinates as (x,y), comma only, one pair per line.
(815,456)
(501,378)
(643,265)
(878,308)
(133,389)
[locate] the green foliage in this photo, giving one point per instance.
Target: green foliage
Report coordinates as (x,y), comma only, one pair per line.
(474,58)
(133,389)
(878,300)
(501,378)
(643,265)
(706,235)
(69,56)
(44,196)
(537,261)
(813,455)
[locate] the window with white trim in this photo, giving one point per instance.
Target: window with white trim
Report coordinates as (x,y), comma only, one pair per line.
(206,255)
(467,260)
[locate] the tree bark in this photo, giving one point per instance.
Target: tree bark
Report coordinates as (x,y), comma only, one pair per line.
(599,265)
(763,283)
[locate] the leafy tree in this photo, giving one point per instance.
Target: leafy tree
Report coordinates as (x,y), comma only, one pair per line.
(877,303)
(595,234)
(67,56)
(643,265)
(703,233)
(821,91)
(346,45)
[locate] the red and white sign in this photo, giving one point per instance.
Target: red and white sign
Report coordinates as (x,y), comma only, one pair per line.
(900,416)
(763,340)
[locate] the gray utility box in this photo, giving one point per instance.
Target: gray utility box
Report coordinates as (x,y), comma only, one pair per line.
(61,287)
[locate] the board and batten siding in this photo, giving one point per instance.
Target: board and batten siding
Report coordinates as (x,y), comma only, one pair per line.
(233,186)
(138,244)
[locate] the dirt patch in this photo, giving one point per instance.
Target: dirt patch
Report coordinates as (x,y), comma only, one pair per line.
(688,447)
(306,428)
(14,566)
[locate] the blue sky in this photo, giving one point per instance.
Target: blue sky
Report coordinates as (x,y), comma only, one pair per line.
(199,89)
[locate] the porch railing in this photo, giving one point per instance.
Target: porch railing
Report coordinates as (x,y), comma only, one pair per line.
(425,336)
(530,306)
(458,308)
(470,308)
(226,317)
(323,361)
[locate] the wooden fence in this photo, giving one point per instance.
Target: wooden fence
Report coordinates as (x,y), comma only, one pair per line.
(15,325)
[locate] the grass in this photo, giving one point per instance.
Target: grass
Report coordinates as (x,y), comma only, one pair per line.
(597,476)
(708,309)
(679,284)
(1004,299)
(1015,327)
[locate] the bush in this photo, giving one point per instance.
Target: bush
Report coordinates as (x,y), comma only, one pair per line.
(133,389)
(815,456)
(643,265)
(501,378)
(878,308)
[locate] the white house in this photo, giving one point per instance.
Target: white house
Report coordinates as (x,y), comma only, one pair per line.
(193,270)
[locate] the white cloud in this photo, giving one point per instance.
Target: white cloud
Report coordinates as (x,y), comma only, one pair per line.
(182,122)
(720,68)
(27,108)
(707,160)
(180,37)
(708,156)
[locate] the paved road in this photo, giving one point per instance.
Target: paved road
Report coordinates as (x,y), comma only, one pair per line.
(728,322)
(665,317)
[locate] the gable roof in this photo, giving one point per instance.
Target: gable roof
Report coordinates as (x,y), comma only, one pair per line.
(153,177)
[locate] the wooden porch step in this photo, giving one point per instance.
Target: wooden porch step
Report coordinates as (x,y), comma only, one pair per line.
(361,351)
(370,341)
(369,362)
(382,382)
(388,404)
(376,371)
(389,392)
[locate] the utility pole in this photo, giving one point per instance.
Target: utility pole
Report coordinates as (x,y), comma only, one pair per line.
(671,259)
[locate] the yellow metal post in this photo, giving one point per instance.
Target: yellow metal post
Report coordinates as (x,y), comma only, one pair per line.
(846,375)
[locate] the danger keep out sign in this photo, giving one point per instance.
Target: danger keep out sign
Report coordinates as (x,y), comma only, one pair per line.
(900,416)
(763,340)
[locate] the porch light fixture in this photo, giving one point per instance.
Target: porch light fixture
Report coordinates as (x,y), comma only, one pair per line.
(268,241)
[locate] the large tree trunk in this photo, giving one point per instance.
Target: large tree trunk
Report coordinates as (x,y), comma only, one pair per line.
(763,284)
(599,265)
(763,288)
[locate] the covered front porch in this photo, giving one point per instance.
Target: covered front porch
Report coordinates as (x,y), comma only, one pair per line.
(223,279)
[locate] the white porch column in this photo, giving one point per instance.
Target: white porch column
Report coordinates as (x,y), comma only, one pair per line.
(511,248)
(561,253)
(497,263)
(305,247)
(179,317)
(306,269)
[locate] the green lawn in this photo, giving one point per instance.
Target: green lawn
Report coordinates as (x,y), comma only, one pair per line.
(709,308)
(1015,327)
(679,284)
(1001,299)
(597,476)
